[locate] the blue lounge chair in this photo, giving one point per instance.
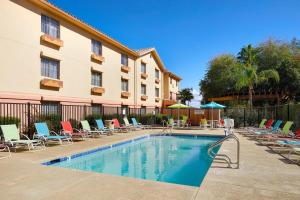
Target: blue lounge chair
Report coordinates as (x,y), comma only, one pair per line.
(274,129)
(43,133)
(102,128)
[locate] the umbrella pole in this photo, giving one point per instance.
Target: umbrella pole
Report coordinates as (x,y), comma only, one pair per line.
(178,117)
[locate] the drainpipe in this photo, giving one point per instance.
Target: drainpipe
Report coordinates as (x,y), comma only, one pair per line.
(135,83)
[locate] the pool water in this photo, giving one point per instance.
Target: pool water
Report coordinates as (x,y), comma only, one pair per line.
(173,159)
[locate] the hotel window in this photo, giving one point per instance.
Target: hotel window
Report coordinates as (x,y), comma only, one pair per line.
(96,79)
(143,89)
(143,110)
(171,96)
(176,83)
(124,60)
(96,109)
(124,85)
(156,92)
(97,47)
(156,73)
(48,107)
(143,67)
(50,26)
(50,68)
(170,80)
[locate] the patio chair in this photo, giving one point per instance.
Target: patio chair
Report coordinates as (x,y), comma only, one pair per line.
(74,133)
(43,133)
(284,133)
(185,121)
(139,125)
(203,123)
(87,129)
(118,127)
(12,137)
(101,127)
(274,129)
(128,125)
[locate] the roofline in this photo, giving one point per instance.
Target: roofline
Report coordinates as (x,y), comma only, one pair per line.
(174,76)
(65,16)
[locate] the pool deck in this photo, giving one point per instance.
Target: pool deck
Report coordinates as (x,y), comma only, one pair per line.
(262,175)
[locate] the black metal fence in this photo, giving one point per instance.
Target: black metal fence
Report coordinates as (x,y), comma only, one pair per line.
(245,117)
(26,114)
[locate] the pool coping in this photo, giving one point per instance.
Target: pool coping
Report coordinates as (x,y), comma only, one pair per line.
(120,143)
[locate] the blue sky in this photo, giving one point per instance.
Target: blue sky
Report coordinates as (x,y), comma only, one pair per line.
(188,33)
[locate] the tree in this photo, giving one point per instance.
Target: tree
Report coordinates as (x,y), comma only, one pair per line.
(186,95)
(219,78)
(247,71)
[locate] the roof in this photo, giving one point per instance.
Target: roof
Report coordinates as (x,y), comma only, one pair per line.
(144,51)
(174,76)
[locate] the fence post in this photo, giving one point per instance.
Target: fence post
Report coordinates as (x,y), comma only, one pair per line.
(288,112)
(244,117)
(84,111)
(28,119)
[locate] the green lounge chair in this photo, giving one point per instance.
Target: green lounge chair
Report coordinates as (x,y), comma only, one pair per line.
(12,137)
(127,124)
(86,128)
(280,134)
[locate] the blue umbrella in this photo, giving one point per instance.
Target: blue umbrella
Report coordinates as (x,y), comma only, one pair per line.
(212,105)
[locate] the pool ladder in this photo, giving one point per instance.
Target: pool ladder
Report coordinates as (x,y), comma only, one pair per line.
(167,130)
(225,157)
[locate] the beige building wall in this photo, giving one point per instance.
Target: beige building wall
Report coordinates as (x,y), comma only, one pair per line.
(20,69)
(150,82)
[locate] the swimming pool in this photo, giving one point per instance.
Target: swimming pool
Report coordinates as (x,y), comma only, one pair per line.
(172,159)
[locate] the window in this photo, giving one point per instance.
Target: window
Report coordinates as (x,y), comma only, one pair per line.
(124,110)
(96,109)
(50,26)
(96,79)
(171,96)
(124,60)
(143,110)
(156,92)
(157,110)
(170,80)
(143,89)
(48,108)
(143,67)
(156,73)
(176,83)
(50,68)
(124,85)
(97,47)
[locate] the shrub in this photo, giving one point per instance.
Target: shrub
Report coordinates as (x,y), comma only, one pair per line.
(9,120)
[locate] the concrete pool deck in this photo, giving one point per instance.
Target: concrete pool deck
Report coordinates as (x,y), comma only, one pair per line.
(262,175)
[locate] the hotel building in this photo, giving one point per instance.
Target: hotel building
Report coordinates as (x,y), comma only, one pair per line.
(50,57)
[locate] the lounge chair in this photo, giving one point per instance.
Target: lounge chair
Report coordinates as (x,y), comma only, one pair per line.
(139,125)
(87,129)
(284,133)
(12,137)
(251,130)
(185,121)
(274,129)
(203,123)
(43,133)
(74,133)
(293,146)
(128,125)
(118,127)
(101,127)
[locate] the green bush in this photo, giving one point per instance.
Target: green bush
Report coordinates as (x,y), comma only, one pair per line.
(92,119)
(9,120)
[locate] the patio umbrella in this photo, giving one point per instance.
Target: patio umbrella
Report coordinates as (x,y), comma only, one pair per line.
(178,106)
(212,105)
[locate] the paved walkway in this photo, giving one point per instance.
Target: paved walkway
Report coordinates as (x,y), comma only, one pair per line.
(262,175)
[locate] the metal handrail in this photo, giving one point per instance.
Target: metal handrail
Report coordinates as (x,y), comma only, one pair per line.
(225,157)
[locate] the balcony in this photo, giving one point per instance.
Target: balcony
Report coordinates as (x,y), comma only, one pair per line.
(52,41)
(144,97)
(144,75)
(125,69)
(97,58)
(157,99)
(125,94)
(51,83)
(97,90)
(157,81)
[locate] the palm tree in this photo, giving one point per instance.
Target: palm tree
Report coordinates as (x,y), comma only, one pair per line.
(185,95)
(247,73)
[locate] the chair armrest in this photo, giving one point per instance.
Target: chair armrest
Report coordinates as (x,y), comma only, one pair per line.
(75,129)
(54,133)
(25,136)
